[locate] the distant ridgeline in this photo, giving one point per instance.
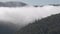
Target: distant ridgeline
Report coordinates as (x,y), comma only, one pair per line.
(47,4)
(12,4)
(55,4)
(20,4)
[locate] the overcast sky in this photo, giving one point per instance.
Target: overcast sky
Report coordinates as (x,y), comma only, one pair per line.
(37,2)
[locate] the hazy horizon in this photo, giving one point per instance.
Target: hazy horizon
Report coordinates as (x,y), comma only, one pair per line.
(36,2)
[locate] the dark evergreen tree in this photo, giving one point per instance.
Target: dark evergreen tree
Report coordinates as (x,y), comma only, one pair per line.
(48,25)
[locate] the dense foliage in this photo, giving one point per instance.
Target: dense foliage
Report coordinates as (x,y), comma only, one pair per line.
(48,25)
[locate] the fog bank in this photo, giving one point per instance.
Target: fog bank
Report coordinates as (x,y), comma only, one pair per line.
(25,15)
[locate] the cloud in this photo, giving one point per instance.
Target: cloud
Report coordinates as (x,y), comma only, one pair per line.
(24,15)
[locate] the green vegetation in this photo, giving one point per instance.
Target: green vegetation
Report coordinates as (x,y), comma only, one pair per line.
(48,25)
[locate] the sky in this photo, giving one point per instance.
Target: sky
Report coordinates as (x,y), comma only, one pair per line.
(37,2)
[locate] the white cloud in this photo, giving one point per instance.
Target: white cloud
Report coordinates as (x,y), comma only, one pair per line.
(26,15)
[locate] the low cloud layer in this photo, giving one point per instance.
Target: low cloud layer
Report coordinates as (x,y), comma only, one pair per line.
(25,15)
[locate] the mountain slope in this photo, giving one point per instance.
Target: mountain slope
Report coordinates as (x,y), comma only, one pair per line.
(12,4)
(49,25)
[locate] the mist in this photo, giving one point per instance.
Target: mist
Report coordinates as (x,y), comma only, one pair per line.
(22,16)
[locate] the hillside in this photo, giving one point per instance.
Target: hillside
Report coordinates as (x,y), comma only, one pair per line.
(48,25)
(12,4)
